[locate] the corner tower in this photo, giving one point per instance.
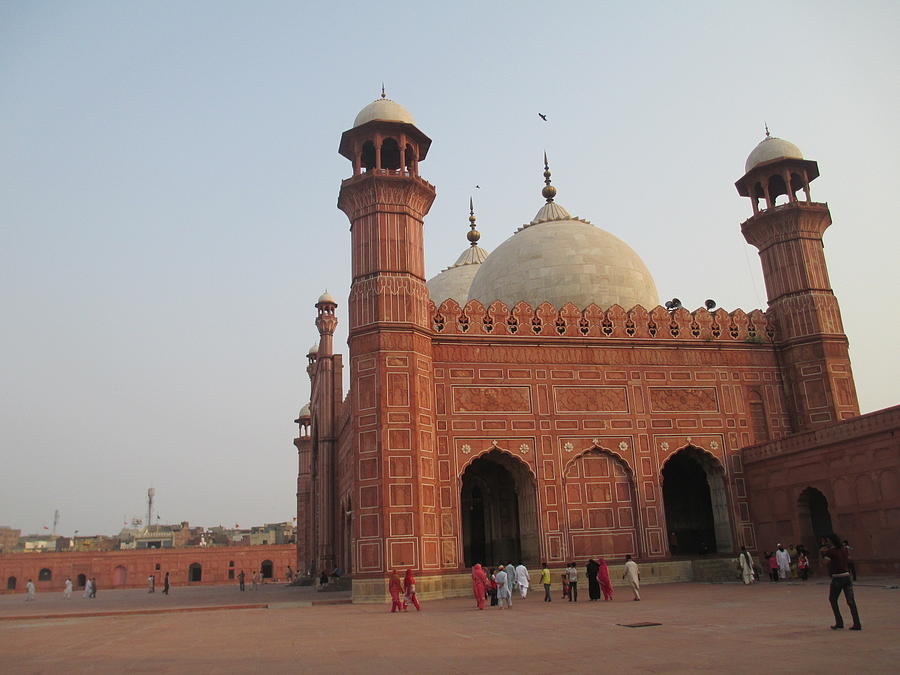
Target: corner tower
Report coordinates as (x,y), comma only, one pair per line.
(390,339)
(812,346)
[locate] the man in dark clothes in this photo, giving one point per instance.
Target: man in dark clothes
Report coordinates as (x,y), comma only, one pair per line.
(241,580)
(166,584)
(839,569)
(593,567)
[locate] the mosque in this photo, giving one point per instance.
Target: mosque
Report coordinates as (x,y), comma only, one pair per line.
(538,403)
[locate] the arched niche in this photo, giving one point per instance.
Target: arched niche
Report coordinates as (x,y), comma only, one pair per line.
(195,572)
(814,517)
(696,502)
(498,503)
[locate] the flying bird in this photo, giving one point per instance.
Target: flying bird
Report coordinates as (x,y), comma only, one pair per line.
(542,116)
(477,187)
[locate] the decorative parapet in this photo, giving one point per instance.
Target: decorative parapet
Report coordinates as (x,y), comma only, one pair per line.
(881,421)
(592,322)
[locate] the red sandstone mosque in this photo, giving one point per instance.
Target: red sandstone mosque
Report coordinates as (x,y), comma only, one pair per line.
(538,403)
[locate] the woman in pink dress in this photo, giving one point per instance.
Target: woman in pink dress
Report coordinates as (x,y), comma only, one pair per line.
(409,589)
(603,580)
(395,588)
(479,584)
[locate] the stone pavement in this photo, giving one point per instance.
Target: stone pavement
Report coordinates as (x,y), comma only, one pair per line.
(767,627)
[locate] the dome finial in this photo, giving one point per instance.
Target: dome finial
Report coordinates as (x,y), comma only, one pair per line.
(767,129)
(549,192)
(472,235)
(382,91)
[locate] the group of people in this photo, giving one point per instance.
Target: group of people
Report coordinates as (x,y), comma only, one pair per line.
(498,584)
(784,563)
(403,592)
(255,580)
(90,589)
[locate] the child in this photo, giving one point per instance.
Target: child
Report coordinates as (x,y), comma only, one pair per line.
(492,588)
(565,585)
(803,566)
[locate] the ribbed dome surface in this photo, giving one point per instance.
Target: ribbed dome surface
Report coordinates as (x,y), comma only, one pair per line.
(558,258)
(454,282)
(383,109)
(769,149)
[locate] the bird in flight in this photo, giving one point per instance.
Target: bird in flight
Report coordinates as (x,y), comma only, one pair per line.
(478,187)
(542,116)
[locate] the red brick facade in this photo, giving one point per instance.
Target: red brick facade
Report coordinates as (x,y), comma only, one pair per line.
(130,569)
(489,434)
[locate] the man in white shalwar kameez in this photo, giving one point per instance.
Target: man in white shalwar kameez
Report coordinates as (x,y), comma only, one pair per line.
(783,558)
(67,591)
(504,596)
(633,576)
(523,580)
(29,590)
(746,564)
(511,580)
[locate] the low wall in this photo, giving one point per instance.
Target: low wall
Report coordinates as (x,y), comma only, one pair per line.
(130,569)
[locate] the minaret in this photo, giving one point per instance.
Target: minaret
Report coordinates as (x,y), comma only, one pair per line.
(305,522)
(810,337)
(390,342)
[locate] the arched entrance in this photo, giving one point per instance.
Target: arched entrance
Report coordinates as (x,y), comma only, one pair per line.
(499,514)
(11,584)
(120,576)
(696,502)
(195,572)
(81,581)
(266,569)
(600,507)
(815,519)
(45,574)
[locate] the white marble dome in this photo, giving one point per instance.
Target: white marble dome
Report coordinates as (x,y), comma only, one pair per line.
(384,110)
(454,282)
(769,149)
(559,258)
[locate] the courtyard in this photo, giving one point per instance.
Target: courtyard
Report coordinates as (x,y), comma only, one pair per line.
(704,628)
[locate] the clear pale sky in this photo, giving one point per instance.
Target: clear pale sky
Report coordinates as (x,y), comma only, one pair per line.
(169,174)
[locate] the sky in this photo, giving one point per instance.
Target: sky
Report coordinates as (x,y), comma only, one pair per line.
(169,177)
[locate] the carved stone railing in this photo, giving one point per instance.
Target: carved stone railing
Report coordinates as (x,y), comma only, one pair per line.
(592,322)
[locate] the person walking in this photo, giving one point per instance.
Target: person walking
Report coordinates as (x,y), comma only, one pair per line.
(572,575)
(523,580)
(492,586)
(633,576)
(565,584)
(479,585)
(504,594)
(841,582)
(773,566)
(592,569)
(409,589)
(29,591)
(253,581)
(803,565)
(511,579)
(93,587)
(241,578)
(87,589)
(151,584)
(603,580)
(395,588)
(783,560)
(545,580)
(746,565)
(67,591)
(166,584)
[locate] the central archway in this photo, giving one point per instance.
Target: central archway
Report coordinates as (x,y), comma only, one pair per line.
(499,513)
(696,502)
(815,518)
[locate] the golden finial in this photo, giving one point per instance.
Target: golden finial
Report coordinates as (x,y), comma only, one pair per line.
(382,91)
(472,235)
(767,129)
(549,192)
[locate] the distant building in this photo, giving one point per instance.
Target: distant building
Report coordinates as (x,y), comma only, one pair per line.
(9,539)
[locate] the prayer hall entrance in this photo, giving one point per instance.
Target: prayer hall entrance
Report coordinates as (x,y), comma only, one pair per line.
(499,511)
(696,502)
(815,519)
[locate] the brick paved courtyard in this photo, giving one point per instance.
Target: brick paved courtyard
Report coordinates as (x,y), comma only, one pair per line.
(705,628)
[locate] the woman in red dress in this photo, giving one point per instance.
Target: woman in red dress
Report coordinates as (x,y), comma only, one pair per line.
(603,580)
(409,589)
(395,587)
(479,584)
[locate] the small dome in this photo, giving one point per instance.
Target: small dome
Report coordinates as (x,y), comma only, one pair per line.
(326,297)
(304,412)
(454,282)
(558,258)
(385,110)
(769,149)
(313,350)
